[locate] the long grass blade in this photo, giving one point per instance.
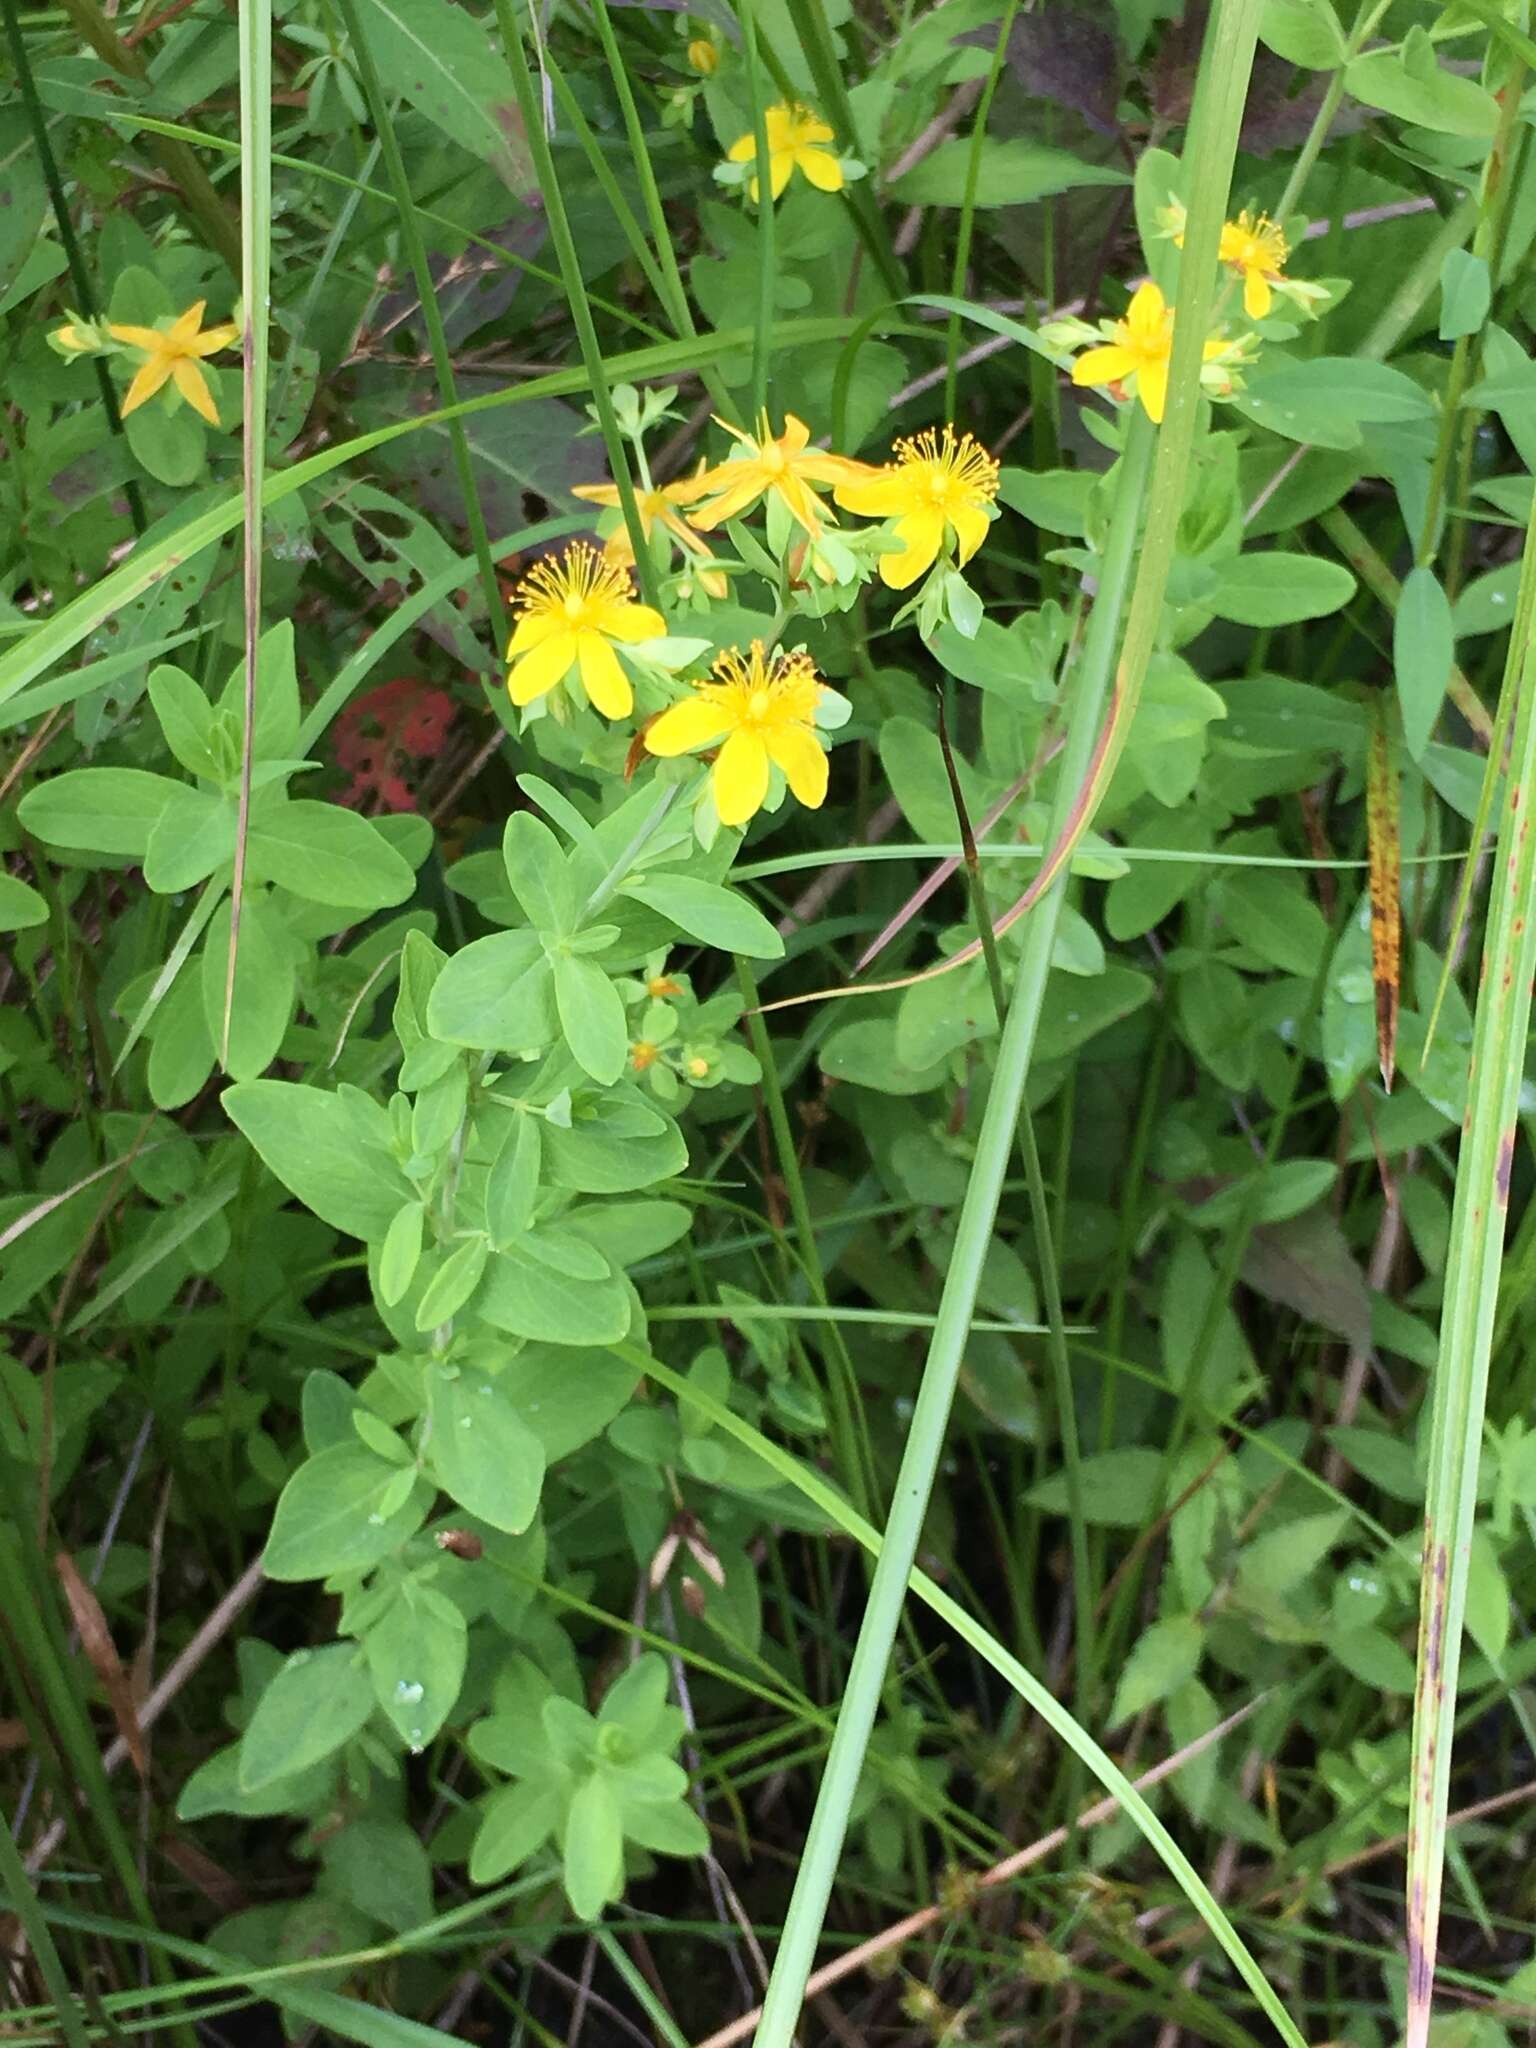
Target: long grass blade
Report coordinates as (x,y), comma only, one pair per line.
(1383,826)
(1460,1380)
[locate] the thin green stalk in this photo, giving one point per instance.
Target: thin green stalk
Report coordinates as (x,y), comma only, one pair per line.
(432,313)
(810,22)
(79,278)
(21,1899)
(925,1435)
(576,290)
(746,17)
(1459,1384)
(255,32)
(848,1424)
(968,204)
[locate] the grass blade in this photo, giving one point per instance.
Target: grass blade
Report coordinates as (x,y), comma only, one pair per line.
(1460,1379)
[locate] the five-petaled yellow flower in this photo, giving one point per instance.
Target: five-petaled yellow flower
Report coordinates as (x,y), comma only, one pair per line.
(660,504)
(797,139)
(174,354)
(1255,247)
(570,611)
(939,484)
(1138,350)
(786,467)
(764,708)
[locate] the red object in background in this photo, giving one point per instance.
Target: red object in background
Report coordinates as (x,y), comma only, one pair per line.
(383,732)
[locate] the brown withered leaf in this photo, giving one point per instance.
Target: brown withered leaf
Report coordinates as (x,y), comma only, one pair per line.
(96,1641)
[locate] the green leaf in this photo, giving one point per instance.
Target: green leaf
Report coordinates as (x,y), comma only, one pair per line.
(328,854)
(98,810)
(265,982)
(517,1820)
(452,1284)
(400,1253)
(20,905)
(416,1651)
(539,875)
(194,835)
(710,914)
(317,1701)
(447,68)
(529,1298)
(1118,1488)
(1272,588)
(1269,912)
(512,1185)
(1372,1656)
(1304,32)
(591,1017)
(1275,1563)
(313,1143)
(1328,400)
(568,1396)
(482,1452)
(1429,98)
(171,444)
(332,1516)
(497,994)
(598,1158)
(1423,649)
(381,1868)
(1012,173)
(592,1841)
(1465,293)
(186,719)
(1163,1657)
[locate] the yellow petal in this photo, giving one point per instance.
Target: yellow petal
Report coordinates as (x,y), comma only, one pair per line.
(805,766)
(193,385)
(216,338)
(1152,390)
(542,667)
(796,435)
(970,523)
(605,683)
(596,494)
(823,467)
(186,325)
(923,535)
(781,166)
(1256,294)
(1105,365)
(742,149)
(822,168)
(1144,315)
(879,494)
(146,383)
(532,630)
(736,497)
(801,501)
(696,722)
(741,778)
(137,337)
(631,622)
(781,127)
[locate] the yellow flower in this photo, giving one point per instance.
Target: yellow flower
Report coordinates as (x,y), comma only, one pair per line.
(658,504)
(1138,349)
(797,138)
(787,467)
(1256,248)
(939,484)
(764,708)
(703,56)
(643,1054)
(175,354)
(570,611)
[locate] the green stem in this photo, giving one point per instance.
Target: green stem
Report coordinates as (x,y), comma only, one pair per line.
(765,211)
(968,204)
(576,290)
(925,1435)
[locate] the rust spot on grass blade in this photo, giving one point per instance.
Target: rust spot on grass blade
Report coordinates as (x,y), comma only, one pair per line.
(1505,1168)
(1383,831)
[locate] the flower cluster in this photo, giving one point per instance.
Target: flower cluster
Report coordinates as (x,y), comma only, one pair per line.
(797,139)
(678,1042)
(170,354)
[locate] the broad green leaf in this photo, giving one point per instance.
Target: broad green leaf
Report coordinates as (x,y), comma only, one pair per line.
(317,1701)
(1275,1563)
(186,719)
(497,994)
(1163,1657)
(416,1650)
(20,905)
(1271,914)
(1375,1658)
(705,911)
(593,1844)
(1304,32)
(1118,1488)
(482,1452)
(1465,292)
(1423,649)
(592,1017)
(194,835)
(1428,97)
(312,1142)
(517,1820)
(597,1157)
(381,1867)
(448,69)
(568,1396)
(400,1253)
(1328,401)
(1271,588)
(333,1516)
(264,985)
(512,1185)
(1486,604)
(529,1298)
(328,854)
(452,1284)
(1012,173)
(98,810)
(539,875)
